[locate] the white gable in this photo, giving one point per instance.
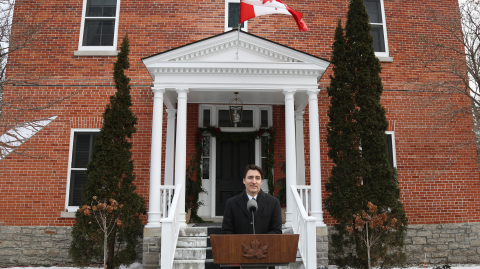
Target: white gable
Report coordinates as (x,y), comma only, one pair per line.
(213,65)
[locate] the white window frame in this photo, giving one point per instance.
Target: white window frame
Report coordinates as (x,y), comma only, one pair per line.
(383,56)
(245,29)
(70,158)
(394,151)
(98,50)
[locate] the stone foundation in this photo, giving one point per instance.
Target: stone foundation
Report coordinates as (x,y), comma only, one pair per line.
(451,243)
(152,242)
(36,245)
(322,246)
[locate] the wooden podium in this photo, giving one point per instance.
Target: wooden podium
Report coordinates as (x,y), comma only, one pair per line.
(254,250)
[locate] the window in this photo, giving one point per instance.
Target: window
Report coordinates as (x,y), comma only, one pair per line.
(253,117)
(377,21)
(225,119)
(82,142)
(232,12)
(389,136)
(99,25)
(206,158)
(264,145)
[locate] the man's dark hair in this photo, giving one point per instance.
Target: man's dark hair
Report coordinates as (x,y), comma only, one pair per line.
(252,167)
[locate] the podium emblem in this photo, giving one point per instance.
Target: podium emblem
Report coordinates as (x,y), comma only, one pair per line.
(255,250)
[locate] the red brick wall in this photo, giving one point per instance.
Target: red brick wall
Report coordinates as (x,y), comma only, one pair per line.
(278,116)
(436,165)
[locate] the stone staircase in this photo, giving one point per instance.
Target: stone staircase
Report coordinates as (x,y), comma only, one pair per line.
(195,252)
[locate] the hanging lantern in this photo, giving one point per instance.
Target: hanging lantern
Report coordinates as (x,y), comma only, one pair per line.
(235,108)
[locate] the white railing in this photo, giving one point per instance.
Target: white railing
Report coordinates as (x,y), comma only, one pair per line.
(304,225)
(166,194)
(170,230)
(305,196)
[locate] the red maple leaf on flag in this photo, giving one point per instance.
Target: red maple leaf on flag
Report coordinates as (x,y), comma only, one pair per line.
(264,1)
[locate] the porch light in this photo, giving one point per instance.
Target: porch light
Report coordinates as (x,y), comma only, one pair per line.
(235,108)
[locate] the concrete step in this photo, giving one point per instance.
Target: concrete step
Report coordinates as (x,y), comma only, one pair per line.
(193,232)
(192,242)
(188,264)
(190,253)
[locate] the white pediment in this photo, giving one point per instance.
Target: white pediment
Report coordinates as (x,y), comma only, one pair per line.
(210,67)
(224,48)
(235,51)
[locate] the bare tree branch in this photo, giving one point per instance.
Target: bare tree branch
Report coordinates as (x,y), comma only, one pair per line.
(20,116)
(448,70)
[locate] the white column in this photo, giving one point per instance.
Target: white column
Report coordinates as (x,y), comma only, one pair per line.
(315,176)
(155,160)
(291,161)
(300,148)
(170,147)
(181,150)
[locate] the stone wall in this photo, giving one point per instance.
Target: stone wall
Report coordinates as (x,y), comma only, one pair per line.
(38,245)
(322,246)
(152,241)
(451,243)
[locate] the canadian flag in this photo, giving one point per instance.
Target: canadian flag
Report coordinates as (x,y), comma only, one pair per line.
(255,8)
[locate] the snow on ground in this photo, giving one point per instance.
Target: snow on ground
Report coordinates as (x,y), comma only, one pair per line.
(139,266)
(132,266)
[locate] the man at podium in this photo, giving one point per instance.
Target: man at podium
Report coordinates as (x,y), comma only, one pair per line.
(237,219)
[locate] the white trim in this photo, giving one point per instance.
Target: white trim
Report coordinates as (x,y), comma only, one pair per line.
(245,28)
(201,108)
(98,50)
(67,215)
(209,65)
(300,147)
(70,157)
(383,56)
(213,175)
(394,151)
(96,53)
(385,59)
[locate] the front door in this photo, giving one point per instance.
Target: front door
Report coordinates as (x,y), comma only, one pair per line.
(232,158)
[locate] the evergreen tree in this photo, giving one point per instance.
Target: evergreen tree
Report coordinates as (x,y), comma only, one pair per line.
(344,149)
(356,137)
(110,176)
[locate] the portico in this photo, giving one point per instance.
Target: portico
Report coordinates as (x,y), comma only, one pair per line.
(209,71)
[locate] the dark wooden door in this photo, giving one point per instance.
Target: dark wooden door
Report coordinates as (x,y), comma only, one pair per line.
(232,158)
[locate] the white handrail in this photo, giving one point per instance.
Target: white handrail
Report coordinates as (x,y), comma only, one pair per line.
(166,193)
(170,230)
(305,196)
(304,225)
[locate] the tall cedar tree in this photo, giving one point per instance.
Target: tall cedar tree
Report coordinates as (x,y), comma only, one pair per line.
(368,176)
(110,175)
(343,141)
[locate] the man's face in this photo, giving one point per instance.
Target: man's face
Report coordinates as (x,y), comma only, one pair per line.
(253,182)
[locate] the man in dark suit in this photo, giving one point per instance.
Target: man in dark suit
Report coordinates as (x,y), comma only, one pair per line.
(238,220)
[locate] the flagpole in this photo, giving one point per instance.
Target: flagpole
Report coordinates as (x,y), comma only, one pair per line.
(238,38)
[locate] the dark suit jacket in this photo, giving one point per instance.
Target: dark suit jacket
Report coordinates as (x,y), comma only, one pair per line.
(237,220)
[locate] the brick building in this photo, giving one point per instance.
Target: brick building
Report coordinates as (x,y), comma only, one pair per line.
(184,71)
